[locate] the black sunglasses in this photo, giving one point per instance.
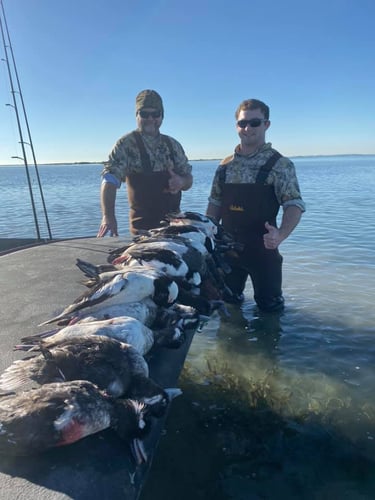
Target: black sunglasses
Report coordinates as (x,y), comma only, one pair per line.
(254,122)
(147,114)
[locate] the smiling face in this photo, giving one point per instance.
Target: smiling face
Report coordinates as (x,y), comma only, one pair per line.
(149,121)
(252,137)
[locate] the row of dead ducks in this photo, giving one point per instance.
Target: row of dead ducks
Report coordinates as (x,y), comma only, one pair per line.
(91,372)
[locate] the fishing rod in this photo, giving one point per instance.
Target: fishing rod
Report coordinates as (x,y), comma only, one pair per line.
(8,45)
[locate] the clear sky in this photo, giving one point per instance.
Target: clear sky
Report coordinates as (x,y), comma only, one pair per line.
(82,62)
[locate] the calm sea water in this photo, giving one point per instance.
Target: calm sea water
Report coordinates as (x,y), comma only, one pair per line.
(71,195)
(274,406)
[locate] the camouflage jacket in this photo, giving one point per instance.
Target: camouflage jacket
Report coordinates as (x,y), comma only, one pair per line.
(125,157)
(242,169)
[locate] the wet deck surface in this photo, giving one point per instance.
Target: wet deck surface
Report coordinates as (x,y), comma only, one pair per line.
(36,283)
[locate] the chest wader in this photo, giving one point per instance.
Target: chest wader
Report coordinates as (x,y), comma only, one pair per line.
(246,208)
(148,201)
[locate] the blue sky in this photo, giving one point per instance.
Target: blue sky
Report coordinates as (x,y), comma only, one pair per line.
(82,62)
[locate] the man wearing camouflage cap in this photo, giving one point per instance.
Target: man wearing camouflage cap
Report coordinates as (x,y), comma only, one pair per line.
(153,165)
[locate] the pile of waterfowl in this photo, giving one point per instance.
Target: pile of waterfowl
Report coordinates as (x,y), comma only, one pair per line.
(91,372)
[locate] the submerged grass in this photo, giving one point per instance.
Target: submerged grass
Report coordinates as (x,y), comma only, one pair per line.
(234,436)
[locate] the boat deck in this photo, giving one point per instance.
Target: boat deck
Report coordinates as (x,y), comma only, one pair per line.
(38,282)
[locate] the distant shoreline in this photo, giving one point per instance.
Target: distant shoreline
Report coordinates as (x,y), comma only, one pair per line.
(190,159)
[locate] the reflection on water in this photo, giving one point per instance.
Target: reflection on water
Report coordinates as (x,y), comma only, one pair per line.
(256,421)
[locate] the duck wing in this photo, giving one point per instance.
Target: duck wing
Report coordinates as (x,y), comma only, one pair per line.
(132,285)
(156,256)
(144,310)
(97,273)
(30,371)
(92,270)
(102,360)
(201,221)
(106,362)
(102,291)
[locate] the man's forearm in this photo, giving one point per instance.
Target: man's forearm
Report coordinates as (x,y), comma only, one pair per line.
(291,217)
(108,199)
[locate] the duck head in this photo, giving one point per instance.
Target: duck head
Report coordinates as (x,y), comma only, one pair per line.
(166,291)
(152,395)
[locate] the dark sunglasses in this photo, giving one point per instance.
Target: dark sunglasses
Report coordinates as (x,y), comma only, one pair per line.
(254,122)
(147,114)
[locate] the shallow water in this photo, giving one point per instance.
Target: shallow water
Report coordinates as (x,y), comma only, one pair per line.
(274,406)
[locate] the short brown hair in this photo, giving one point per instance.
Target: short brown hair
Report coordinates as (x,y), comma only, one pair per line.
(253,104)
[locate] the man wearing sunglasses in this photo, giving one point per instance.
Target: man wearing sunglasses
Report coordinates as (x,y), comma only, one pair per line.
(154,167)
(247,191)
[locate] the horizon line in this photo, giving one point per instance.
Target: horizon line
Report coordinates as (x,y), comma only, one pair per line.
(189,159)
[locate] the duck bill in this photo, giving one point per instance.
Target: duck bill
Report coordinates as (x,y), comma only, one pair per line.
(173,292)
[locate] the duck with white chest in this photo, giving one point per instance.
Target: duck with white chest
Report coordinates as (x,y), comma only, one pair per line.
(122,328)
(126,286)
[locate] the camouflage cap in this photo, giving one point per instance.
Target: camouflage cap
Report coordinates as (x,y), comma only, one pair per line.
(149,99)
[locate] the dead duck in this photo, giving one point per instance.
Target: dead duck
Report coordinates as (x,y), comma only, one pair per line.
(60,414)
(130,285)
(187,232)
(145,311)
(105,362)
(122,328)
(201,221)
(117,368)
(155,255)
(174,256)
